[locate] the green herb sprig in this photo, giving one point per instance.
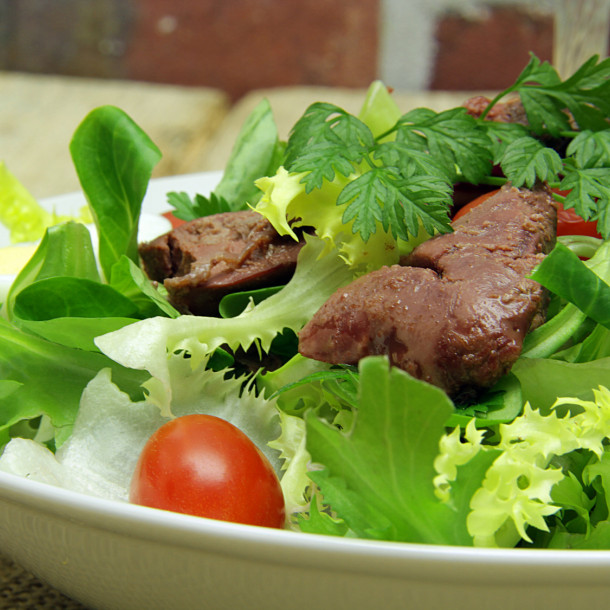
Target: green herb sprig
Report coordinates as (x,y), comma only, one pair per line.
(403,178)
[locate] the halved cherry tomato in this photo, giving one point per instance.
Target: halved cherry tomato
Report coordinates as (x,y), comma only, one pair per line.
(203,465)
(568,221)
(175,221)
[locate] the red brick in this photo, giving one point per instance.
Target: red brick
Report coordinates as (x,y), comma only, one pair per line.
(238,45)
(488,52)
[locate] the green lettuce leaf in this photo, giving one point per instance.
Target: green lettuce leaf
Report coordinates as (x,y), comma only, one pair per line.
(21,214)
(564,274)
(146,344)
(52,378)
(378,476)
(64,251)
(114,160)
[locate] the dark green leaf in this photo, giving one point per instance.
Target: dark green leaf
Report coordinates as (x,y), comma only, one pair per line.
(130,281)
(408,161)
(589,194)
(400,204)
(564,274)
(79,333)
(499,404)
(548,101)
(453,137)
(527,161)
(233,304)
(324,122)
(325,140)
(501,135)
(65,297)
(114,160)
(591,149)
(65,250)
(323,159)
(256,153)
(52,379)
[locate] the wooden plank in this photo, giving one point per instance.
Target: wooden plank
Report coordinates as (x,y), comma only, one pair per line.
(38,115)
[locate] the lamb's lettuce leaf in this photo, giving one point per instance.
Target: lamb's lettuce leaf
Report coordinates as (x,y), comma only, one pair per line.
(114,160)
(64,251)
(580,283)
(257,152)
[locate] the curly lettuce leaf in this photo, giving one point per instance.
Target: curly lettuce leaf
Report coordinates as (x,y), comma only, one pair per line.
(286,204)
(111,429)
(524,486)
(152,344)
(378,475)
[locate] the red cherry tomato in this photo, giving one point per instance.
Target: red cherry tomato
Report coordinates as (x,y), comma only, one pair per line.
(175,222)
(203,465)
(568,221)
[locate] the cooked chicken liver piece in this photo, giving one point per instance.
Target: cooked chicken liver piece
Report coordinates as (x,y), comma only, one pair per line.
(201,261)
(510,110)
(455,312)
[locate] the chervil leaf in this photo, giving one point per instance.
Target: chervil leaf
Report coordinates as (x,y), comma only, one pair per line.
(501,135)
(544,111)
(548,101)
(452,136)
(589,194)
(536,72)
(324,140)
(399,203)
(591,148)
(410,161)
(526,161)
(187,209)
(323,159)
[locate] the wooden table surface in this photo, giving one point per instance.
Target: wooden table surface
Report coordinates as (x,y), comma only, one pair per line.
(195,128)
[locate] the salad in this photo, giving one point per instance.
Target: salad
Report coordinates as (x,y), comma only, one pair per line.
(94,360)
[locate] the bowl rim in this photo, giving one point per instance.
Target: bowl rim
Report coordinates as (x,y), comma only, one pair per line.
(390,559)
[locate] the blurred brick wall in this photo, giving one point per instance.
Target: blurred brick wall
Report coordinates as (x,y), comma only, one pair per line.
(489,48)
(235,45)
(238,45)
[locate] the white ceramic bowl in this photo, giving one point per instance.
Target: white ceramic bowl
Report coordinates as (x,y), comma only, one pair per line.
(116,555)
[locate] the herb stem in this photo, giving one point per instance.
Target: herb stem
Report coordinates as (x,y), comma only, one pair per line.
(490,180)
(386,133)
